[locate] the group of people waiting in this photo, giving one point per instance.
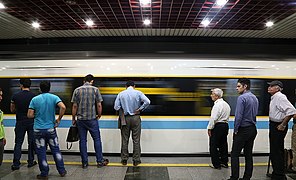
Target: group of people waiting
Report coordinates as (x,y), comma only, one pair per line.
(244,134)
(36,115)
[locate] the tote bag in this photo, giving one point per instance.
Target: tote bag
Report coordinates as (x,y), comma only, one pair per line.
(72,136)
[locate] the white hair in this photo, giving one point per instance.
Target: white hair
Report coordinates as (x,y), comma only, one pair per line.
(218,92)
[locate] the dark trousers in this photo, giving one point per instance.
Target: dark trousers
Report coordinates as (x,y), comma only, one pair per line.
(1,151)
(244,139)
(276,140)
(133,124)
(218,144)
(93,127)
(20,130)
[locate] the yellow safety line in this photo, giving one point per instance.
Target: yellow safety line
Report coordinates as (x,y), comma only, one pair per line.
(142,164)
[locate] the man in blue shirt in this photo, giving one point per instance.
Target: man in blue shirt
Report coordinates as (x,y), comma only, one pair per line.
(42,109)
(132,102)
(245,130)
(19,105)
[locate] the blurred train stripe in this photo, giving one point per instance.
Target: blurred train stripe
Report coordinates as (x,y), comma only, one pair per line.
(112,124)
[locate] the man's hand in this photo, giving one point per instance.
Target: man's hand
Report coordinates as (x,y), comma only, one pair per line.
(138,111)
(281,127)
(74,122)
(4,141)
(209,132)
(98,117)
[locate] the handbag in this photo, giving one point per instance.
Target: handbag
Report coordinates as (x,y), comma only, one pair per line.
(72,136)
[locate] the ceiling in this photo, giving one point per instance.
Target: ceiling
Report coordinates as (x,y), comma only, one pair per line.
(66,18)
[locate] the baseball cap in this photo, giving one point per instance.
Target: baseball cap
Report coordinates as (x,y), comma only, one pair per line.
(276,82)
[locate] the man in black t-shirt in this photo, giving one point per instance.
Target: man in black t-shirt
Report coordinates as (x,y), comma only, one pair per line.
(20,104)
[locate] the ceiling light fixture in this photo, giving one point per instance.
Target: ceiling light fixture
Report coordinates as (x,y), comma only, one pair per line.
(2,6)
(36,25)
(89,23)
(221,2)
(269,24)
(147,22)
(145,2)
(205,22)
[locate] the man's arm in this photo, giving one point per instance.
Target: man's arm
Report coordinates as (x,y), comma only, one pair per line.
(62,107)
(74,112)
(99,109)
(238,114)
(30,113)
(12,107)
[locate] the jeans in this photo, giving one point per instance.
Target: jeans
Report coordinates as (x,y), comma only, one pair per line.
(44,137)
(93,127)
(20,130)
(1,151)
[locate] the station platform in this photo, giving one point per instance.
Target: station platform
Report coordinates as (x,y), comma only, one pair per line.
(154,168)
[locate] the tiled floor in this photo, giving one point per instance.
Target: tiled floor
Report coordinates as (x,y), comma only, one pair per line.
(154,168)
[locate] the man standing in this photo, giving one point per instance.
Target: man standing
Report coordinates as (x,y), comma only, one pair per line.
(42,109)
(86,101)
(2,133)
(20,104)
(132,102)
(245,130)
(280,113)
(218,130)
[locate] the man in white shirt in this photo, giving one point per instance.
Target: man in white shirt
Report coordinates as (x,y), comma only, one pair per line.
(218,130)
(280,113)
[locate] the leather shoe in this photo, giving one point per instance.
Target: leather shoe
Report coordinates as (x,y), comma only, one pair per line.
(84,165)
(212,166)
(224,165)
(136,163)
(41,177)
(31,164)
(124,162)
(63,174)
(13,167)
(104,163)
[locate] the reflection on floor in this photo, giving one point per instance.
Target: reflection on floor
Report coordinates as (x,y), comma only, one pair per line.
(154,168)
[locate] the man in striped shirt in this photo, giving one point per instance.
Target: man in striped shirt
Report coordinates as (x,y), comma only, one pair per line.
(86,101)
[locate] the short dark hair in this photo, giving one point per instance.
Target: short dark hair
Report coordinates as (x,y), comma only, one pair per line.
(89,78)
(26,82)
(245,81)
(44,86)
(129,83)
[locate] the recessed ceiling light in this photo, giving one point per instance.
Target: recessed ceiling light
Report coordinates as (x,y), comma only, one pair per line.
(145,2)
(35,25)
(221,2)
(205,22)
(2,6)
(89,23)
(147,22)
(269,24)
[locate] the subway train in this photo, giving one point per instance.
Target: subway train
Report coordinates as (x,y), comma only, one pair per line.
(179,90)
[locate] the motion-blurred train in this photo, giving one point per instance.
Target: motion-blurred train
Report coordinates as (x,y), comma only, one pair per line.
(179,90)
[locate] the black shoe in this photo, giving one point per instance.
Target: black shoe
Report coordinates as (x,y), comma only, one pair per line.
(136,163)
(63,174)
(41,177)
(212,166)
(224,165)
(244,179)
(31,164)
(14,167)
(84,165)
(124,162)
(104,163)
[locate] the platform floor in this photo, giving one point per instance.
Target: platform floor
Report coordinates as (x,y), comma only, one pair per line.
(154,168)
